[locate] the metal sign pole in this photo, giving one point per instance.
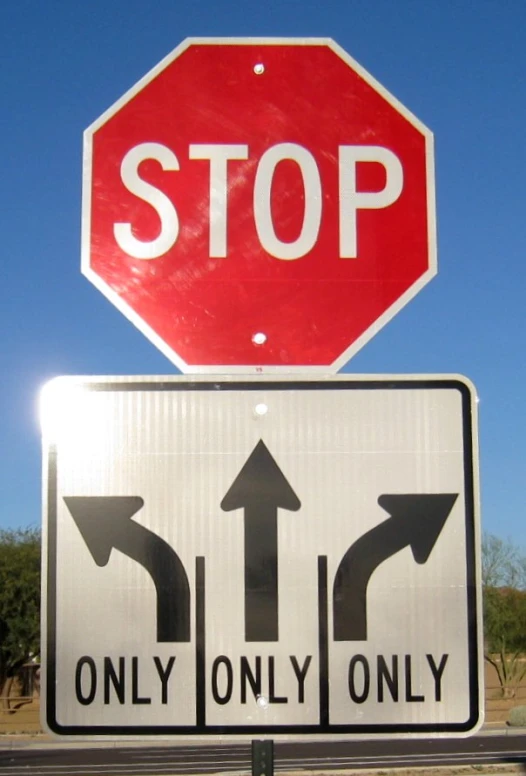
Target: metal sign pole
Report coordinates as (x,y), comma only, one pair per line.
(263,758)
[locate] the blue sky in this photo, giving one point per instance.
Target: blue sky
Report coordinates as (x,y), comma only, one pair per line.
(459,66)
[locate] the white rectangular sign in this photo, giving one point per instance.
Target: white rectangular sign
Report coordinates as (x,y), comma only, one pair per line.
(256,557)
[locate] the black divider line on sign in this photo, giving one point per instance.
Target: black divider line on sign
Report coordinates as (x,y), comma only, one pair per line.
(200,656)
(323,642)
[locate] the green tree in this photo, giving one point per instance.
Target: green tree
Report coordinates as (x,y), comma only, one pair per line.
(504,589)
(19,601)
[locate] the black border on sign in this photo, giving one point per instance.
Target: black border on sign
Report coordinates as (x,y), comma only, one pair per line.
(324,727)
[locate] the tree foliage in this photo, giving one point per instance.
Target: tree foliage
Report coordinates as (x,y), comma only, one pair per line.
(19,599)
(504,588)
(503,564)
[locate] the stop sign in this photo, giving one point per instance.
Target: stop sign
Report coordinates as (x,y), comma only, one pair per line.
(258,204)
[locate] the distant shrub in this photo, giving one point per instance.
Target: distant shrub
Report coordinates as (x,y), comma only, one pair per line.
(517,716)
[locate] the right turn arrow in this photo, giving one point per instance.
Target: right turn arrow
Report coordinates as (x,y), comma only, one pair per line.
(416,521)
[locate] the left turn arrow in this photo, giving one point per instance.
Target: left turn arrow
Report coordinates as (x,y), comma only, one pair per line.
(105,524)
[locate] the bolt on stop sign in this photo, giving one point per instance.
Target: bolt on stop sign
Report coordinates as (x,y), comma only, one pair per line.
(258,205)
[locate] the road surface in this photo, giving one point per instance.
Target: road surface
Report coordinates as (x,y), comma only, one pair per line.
(164,758)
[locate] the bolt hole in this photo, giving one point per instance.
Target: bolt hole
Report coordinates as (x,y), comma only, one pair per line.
(259,68)
(259,338)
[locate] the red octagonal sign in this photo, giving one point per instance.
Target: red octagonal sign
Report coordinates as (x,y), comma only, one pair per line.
(258,204)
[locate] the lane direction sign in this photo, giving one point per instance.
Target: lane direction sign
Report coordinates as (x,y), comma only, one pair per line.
(261,557)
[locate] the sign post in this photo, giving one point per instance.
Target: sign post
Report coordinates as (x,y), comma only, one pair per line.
(261,557)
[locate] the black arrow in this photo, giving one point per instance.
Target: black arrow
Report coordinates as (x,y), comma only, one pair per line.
(260,489)
(416,521)
(104,522)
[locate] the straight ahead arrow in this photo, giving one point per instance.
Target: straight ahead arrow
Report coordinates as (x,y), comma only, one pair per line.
(416,521)
(105,524)
(260,489)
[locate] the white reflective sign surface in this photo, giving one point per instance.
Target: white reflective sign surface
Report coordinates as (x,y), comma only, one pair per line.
(261,556)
